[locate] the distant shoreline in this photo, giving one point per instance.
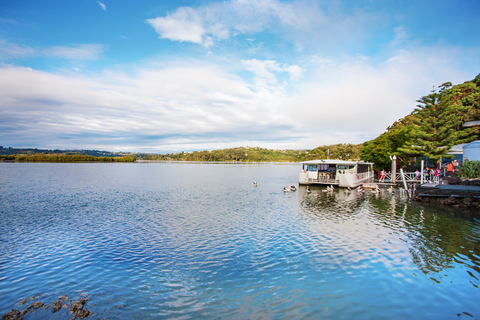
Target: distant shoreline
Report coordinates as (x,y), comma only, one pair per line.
(64,158)
(216,162)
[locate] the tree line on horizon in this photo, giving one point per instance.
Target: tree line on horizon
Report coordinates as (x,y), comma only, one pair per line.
(241,154)
(40,157)
(256,154)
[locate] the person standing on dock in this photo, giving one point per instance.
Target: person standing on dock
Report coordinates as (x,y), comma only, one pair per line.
(382,176)
(450,167)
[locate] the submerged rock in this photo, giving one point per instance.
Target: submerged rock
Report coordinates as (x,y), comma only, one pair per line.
(12,315)
(82,314)
(37,305)
(57,305)
(76,308)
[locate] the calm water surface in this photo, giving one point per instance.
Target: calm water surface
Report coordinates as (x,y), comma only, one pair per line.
(192,241)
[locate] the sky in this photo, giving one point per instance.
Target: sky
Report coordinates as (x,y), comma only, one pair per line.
(170,76)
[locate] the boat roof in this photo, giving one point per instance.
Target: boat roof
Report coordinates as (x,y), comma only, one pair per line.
(328,161)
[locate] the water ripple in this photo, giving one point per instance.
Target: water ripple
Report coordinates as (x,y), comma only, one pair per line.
(198,241)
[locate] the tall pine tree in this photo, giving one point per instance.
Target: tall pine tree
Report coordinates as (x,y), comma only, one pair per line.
(464,101)
(435,124)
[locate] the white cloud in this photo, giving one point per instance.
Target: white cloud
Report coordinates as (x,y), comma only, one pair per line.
(78,52)
(299,22)
(295,72)
(191,105)
(401,36)
(103,6)
(357,99)
(9,50)
(184,25)
(267,72)
(217,21)
(12,51)
(162,105)
(264,70)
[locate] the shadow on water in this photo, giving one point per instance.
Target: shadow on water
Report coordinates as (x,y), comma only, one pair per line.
(436,239)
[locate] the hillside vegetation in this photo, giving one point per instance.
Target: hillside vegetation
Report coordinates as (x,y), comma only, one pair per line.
(432,128)
(256,154)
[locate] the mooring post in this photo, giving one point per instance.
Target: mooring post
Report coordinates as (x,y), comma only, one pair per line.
(421,173)
(394,168)
(403,178)
(404,182)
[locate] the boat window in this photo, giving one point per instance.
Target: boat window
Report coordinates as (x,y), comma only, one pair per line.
(312,167)
(364,168)
(305,167)
(345,167)
(323,167)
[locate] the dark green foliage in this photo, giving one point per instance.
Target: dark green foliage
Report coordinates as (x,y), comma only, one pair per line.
(70,158)
(7,157)
(380,149)
(244,154)
(256,154)
(339,151)
(470,169)
(27,151)
(433,133)
(387,144)
(438,121)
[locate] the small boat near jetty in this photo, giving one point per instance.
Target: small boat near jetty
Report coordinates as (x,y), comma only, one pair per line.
(336,173)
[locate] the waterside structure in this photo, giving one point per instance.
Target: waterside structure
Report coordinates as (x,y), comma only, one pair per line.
(347,174)
(465,196)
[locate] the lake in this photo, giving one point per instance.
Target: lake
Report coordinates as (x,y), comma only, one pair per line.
(199,241)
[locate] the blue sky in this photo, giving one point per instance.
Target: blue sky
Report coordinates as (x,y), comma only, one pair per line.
(171,76)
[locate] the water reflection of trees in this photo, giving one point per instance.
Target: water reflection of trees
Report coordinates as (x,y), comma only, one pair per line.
(436,239)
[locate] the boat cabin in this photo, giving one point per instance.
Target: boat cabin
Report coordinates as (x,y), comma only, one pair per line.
(336,172)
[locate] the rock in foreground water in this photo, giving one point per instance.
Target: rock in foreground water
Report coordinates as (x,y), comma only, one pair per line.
(77,309)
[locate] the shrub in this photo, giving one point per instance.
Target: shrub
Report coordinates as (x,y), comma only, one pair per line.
(470,169)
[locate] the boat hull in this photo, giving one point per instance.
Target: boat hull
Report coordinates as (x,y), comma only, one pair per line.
(353,180)
(342,180)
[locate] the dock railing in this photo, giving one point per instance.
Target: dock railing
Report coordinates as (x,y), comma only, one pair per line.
(409,177)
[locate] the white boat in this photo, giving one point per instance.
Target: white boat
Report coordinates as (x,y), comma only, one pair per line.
(336,172)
